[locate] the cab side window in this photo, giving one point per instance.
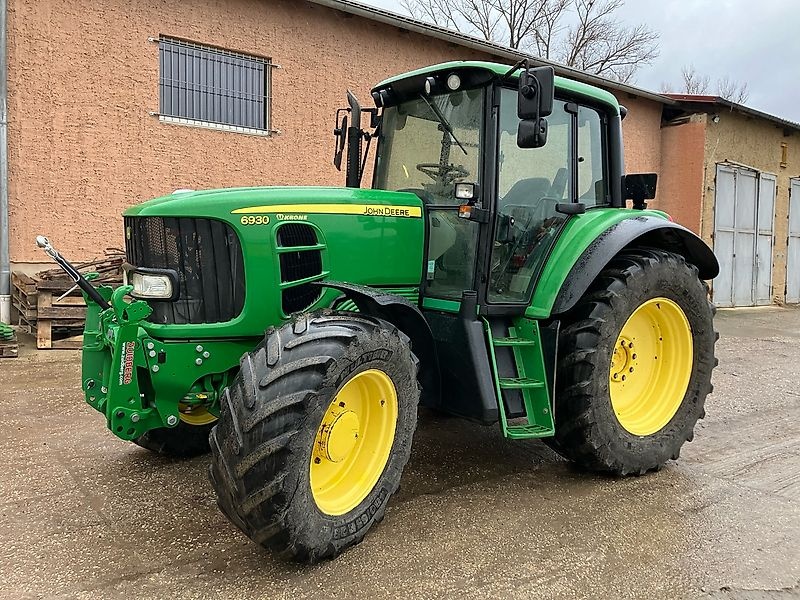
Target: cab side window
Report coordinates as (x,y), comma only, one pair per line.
(592,184)
(531,183)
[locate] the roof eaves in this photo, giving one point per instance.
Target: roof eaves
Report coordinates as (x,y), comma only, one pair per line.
(697,102)
(467,41)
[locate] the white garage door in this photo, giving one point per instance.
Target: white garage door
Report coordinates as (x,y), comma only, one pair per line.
(744,214)
(793,254)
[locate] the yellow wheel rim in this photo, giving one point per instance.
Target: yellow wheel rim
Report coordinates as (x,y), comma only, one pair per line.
(651,366)
(353,442)
(197,415)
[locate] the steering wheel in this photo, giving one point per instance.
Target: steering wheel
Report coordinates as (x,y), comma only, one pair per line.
(443,173)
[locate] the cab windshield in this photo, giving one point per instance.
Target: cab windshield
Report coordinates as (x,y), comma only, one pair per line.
(416,151)
(426,146)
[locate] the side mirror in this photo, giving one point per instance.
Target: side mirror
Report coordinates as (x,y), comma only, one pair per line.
(534,103)
(532,133)
(536,91)
(639,187)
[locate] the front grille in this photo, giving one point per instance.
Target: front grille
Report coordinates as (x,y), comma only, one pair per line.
(207,256)
(292,235)
(297,265)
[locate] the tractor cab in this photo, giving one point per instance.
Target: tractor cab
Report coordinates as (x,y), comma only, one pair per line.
(501,159)
(512,165)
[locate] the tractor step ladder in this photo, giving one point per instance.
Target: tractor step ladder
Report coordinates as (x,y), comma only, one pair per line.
(525,343)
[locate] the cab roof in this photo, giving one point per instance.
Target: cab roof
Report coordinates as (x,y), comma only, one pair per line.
(482,72)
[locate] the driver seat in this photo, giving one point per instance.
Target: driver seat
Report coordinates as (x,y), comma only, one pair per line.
(527,192)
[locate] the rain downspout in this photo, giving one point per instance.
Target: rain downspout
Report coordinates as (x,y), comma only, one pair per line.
(5,261)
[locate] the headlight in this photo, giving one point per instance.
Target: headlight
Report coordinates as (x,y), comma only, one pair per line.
(151,284)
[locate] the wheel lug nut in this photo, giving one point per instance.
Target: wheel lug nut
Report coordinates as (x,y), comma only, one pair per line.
(341,404)
(630,370)
(317,461)
(623,378)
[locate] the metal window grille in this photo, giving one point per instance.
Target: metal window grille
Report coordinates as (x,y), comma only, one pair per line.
(205,84)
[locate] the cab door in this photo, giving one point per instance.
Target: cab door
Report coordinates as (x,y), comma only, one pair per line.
(531,183)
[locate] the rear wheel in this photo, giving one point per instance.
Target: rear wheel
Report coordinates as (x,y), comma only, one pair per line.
(636,355)
(314,433)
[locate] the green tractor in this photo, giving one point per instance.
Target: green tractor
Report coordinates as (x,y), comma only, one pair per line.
(491,271)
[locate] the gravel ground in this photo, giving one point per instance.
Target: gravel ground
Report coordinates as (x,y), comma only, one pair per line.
(85,515)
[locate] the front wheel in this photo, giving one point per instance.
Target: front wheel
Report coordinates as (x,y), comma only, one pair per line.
(314,433)
(635,362)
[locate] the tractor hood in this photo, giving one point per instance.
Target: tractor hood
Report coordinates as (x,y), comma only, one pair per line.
(245,258)
(222,203)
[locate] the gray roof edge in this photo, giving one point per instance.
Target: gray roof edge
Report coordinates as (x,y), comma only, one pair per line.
(760,114)
(468,41)
(701,102)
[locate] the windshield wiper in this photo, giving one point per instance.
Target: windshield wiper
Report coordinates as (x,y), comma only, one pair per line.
(447,127)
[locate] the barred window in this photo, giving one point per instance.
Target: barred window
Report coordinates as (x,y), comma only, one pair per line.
(200,85)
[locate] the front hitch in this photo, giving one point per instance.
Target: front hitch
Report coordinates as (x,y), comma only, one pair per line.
(87,288)
(114,354)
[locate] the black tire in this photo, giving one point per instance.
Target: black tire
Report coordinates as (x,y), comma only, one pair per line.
(262,444)
(587,429)
(181,441)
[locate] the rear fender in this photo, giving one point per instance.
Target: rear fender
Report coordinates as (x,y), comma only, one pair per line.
(408,319)
(643,231)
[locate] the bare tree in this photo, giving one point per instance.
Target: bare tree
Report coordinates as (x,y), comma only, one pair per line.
(599,44)
(734,91)
(578,33)
(695,83)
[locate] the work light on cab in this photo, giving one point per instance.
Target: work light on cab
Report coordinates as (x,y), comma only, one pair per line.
(466,191)
(453,82)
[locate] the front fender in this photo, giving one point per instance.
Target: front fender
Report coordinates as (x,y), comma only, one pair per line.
(641,231)
(408,319)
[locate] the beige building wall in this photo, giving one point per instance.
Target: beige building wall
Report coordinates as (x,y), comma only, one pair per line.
(83,78)
(754,143)
(641,130)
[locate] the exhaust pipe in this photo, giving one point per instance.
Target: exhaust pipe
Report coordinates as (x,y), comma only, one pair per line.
(353,175)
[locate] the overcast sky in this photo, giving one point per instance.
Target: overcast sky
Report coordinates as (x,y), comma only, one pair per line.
(753,41)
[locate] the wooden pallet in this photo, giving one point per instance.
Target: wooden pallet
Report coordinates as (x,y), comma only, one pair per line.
(24,296)
(9,348)
(51,310)
(59,320)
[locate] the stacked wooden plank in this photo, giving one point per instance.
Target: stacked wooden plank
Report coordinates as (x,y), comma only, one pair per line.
(52,308)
